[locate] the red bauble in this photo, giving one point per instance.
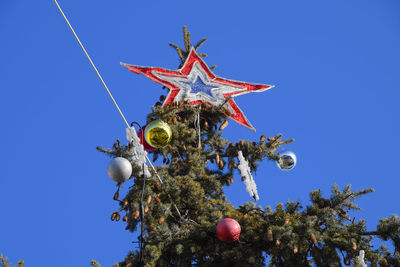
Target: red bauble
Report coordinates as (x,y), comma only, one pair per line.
(146,146)
(228,230)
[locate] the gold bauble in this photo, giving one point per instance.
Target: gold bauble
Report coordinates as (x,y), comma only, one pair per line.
(158,133)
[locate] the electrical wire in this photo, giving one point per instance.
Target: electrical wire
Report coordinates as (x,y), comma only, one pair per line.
(91,62)
(101,79)
(108,91)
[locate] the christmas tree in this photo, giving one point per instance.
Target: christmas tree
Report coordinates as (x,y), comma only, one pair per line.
(180,209)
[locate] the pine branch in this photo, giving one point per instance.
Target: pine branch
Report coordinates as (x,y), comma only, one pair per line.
(179,51)
(4,262)
(202,41)
(186,37)
(196,165)
(94,263)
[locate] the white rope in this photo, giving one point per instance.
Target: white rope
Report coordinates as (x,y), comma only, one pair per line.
(91,62)
(108,91)
(98,74)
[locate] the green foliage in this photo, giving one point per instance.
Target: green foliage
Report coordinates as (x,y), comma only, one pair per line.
(181,213)
(94,263)
(320,234)
(4,262)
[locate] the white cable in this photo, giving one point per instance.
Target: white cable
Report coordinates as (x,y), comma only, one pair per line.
(105,86)
(91,62)
(101,79)
(98,74)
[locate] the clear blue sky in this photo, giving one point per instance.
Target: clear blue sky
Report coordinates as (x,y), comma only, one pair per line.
(335,65)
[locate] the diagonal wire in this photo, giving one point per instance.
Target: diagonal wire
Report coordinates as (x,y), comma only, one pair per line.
(105,86)
(91,62)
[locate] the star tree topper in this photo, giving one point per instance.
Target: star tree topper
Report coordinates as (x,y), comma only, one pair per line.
(196,83)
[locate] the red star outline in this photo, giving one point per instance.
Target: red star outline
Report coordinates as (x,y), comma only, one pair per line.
(237,114)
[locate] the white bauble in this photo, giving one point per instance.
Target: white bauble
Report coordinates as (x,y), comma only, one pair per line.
(119,169)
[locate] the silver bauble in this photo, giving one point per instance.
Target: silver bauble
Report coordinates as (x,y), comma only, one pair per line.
(287,160)
(119,169)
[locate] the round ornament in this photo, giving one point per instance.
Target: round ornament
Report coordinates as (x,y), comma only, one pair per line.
(119,169)
(287,161)
(158,133)
(146,146)
(228,230)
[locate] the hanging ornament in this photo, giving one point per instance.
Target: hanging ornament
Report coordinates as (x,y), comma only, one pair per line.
(228,230)
(361,262)
(119,169)
(158,133)
(146,146)
(137,151)
(196,83)
(287,160)
(248,180)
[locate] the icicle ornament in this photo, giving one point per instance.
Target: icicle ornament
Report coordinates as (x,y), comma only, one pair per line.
(361,262)
(139,154)
(245,171)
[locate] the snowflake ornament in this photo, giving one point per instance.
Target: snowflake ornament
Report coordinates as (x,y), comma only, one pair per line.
(139,154)
(245,171)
